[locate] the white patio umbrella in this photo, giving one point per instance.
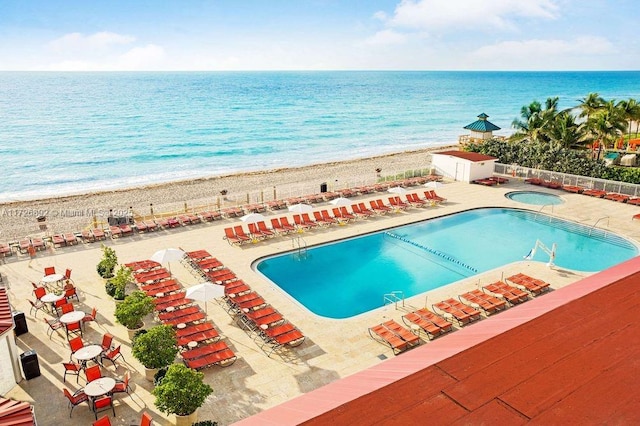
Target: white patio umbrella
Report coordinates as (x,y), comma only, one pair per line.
(300,208)
(252,218)
(341,201)
(167,255)
(205,292)
(397,190)
(434,184)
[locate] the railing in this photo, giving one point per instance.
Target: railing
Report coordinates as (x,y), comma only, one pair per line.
(521,172)
(299,244)
(392,297)
(596,223)
(542,208)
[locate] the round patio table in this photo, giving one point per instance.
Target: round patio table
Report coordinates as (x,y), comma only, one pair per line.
(87,353)
(52,297)
(71,317)
(52,279)
(100,386)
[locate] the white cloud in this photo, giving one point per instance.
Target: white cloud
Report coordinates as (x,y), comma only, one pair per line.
(141,58)
(472,15)
(78,41)
(380,16)
(386,37)
(544,54)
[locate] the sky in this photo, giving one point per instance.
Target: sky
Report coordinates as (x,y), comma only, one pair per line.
(230,35)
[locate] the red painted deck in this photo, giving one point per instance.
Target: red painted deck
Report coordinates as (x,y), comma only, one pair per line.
(570,356)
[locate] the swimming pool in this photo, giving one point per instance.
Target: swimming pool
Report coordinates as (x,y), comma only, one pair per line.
(350,277)
(534,197)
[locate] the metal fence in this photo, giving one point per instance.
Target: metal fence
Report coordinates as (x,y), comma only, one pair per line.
(512,170)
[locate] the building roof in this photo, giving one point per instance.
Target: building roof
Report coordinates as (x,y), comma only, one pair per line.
(15,413)
(6,317)
(482,124)
(568,356)
(474,157)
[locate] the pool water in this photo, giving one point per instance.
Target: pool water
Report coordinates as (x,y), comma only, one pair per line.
(534,197)
(350,277)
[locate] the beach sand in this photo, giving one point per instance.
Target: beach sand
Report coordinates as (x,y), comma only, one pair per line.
(73,213)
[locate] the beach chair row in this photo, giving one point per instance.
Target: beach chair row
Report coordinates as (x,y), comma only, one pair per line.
(468,308)
(259,231)
(491,181)
(270,329)
(198,339)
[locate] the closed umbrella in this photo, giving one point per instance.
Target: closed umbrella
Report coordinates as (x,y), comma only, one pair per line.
(205,292)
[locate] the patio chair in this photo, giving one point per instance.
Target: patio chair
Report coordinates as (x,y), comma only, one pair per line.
(66,307)
(76,399)
(67,275)
(107,339)
(90,317)
(123,385)
(70,293)
(103,403)
(39,292)
(53,326)
(104,421)
(36,306)
(73,369)
(145,420)
(94,372)
(74,328)
(75,344)
(112,355)
(49,270)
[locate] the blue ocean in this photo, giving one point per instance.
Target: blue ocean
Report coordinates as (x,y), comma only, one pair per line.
(65,133)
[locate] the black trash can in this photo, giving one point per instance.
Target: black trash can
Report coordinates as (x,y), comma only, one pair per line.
(20,323)
(30,365)
(323,187)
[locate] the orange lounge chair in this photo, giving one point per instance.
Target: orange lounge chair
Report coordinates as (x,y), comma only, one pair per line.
(488,303)
(58,240)
(320,220)
(397,203)
(232,238)
(403,333)
(512,294)
(416,201)
(98,234)
(301,224)
(462,313)
(327,217)
(382,334)
(533,285)
(360,212)
(573,188)
(598,193)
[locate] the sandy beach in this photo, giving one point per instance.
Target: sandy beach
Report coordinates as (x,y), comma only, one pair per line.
(73,213)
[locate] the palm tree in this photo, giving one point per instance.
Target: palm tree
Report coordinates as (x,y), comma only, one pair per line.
(607,125)
(536,122)
(591,104)
(566,132)
(630,110)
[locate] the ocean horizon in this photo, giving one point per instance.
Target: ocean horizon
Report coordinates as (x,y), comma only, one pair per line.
(64,133)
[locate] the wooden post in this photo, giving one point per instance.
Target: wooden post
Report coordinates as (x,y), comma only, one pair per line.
(151,208)
(95,221)
(186,210)
(274,194)
(248,198)
(218,202)
(262,196)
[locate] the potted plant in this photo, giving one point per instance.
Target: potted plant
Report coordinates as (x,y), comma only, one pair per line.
(116,286)
(156,348)
(181,392)
(108,262)
(132,309)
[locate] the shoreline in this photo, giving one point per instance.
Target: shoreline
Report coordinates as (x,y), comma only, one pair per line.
(74,212)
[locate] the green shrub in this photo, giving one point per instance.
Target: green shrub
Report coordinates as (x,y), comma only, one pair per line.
(205,423)
(156,348)
(108,263)
(133,308)
(182,391)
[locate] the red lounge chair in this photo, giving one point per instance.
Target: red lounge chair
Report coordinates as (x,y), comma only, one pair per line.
(534,181)
(277,226)
(635,216)
(232,238)
(433,196)
(300,224)
(5,250)
(98,234)
(262,226)
(403,333)
(416,201)
(58,240)
(255,233)
(70,239)
(327,217)
(210,216)
(429,327)
(485,182)
(397,203)
(141,226)
(320,220)
(360,213)
(306,219)
(115,231)
(621,198)
(597,193)
(573,188)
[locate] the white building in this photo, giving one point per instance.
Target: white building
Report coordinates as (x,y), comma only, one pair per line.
(463,166)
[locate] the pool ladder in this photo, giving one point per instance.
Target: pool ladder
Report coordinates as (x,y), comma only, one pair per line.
(300,245)
(394,297)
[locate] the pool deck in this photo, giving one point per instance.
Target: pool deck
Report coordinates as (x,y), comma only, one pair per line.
(334,349)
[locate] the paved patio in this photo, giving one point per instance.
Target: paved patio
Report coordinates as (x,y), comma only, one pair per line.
(334,349)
